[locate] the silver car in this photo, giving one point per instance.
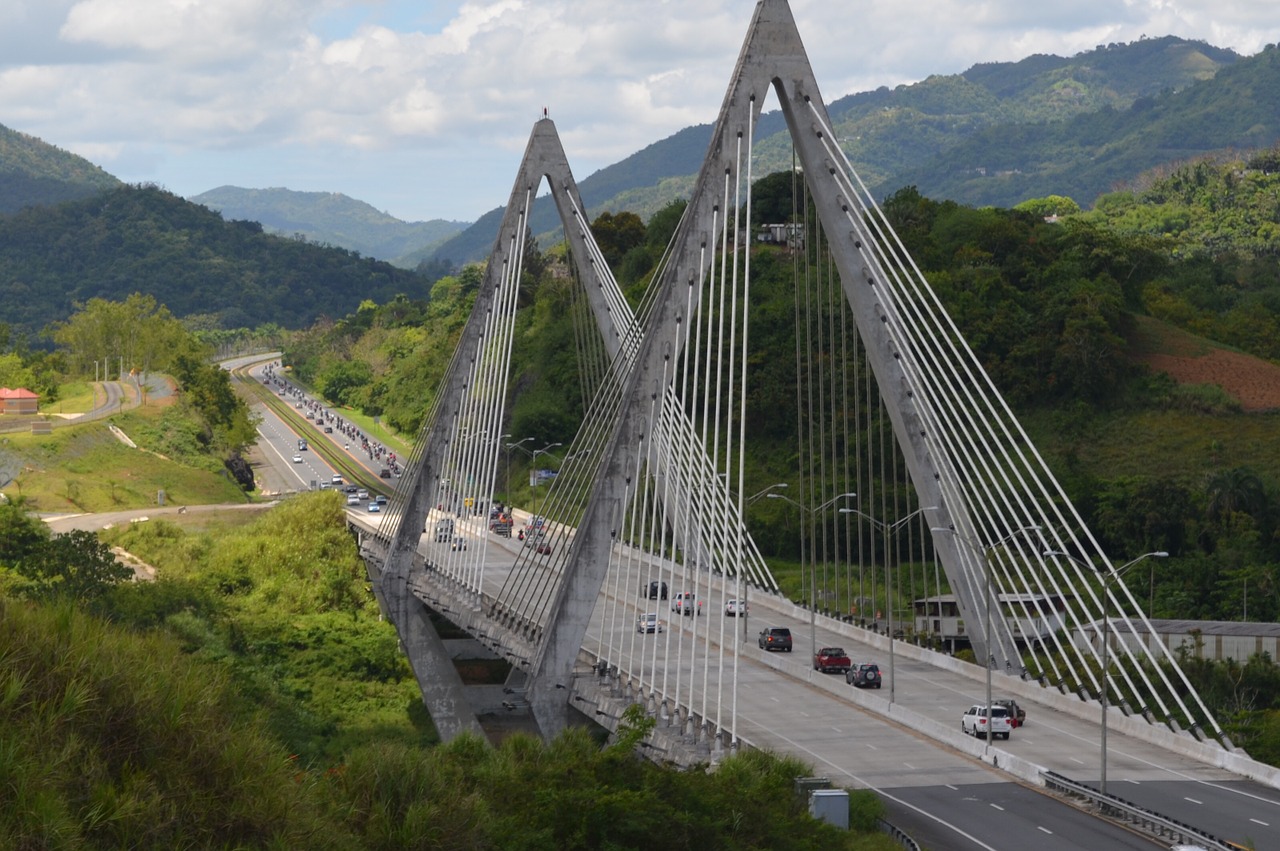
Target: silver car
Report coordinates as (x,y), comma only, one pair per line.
(649,623)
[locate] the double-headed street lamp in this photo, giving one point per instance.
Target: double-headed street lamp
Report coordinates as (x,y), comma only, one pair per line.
(886,529)
(743,582)
(533,461)
(1108,578)
(986,564)
(813,579)
(511,446)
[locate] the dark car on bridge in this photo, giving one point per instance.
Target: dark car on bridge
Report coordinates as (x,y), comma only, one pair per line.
(1017,714)
(775,638)
(655,590)
(864,675)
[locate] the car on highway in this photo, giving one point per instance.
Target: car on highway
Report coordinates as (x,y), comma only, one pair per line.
(381,499)
(337,480)
(543,548)
(1017,714)
(374,508)
(655,590)
(974,722)
(733,608)
(649,623)
(297,459)
(832,660)
(384,473)
(352,499)
(864,675)
(459,542)
(686,603)
(362,494)
(444,529)
(775,638)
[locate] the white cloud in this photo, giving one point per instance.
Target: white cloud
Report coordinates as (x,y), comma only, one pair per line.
(197,90)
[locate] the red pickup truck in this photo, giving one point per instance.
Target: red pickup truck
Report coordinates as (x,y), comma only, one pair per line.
(832,659)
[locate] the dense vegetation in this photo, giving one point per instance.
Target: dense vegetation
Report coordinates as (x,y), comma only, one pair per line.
(330,218)
(1092,152)
(252,697)
(33,172)
(143,239)
(1020,113)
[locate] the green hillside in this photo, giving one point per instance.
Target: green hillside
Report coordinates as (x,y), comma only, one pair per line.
(1093,153)
(143,239)
(903,136)
(331,218)
(34,172)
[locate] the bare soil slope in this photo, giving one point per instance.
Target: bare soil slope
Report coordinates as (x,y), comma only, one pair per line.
(1192,360)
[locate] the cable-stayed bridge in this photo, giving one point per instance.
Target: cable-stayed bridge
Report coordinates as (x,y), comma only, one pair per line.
(911,481)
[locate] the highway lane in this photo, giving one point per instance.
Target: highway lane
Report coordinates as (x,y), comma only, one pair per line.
(916,774)
(1146,774)
(926,785)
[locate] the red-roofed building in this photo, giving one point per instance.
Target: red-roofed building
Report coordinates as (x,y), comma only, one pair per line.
(20,401)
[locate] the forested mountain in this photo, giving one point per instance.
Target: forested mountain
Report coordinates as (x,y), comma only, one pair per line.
(34,172)
(331,218)
(143,239)
(1095,152)
(919,134)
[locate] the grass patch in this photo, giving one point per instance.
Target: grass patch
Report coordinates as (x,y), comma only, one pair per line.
(1182,444)
(74,397)
(85,468)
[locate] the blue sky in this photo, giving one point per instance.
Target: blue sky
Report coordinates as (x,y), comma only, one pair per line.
(423,108)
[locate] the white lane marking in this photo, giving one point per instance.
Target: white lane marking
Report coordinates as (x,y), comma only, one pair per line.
(1263,823)
(1193,800)
(1044,830)
(838,730)
(996,807)
(910,766)
(952,788)
(817,757)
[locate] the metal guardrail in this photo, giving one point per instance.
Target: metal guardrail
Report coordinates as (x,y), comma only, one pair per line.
(898,835)
(1140,817)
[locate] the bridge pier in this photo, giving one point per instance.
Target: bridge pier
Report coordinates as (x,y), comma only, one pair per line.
(443,692)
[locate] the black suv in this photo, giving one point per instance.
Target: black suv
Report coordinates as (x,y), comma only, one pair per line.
(656,589)
(865,675)
(775,638)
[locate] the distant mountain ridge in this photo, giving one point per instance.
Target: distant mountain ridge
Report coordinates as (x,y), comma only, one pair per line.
(34,172)
(904,136)
(331,218)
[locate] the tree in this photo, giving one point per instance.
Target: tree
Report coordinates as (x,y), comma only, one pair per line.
(617,234)
(76,566)
(22,535)
(1050,205)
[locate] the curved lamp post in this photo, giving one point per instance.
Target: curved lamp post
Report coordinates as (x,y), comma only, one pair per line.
(887,529)
(1108,578)
(533,462)
(986,564)
(813,581)
(511,446)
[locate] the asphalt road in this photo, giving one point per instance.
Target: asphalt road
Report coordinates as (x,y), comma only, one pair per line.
(786,706)
(941,795)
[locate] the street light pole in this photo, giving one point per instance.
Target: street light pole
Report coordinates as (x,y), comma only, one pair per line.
(745,583)
(813,580)
(1107,580)
(986,564)
(543,451)
(511,446)
(885,532)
